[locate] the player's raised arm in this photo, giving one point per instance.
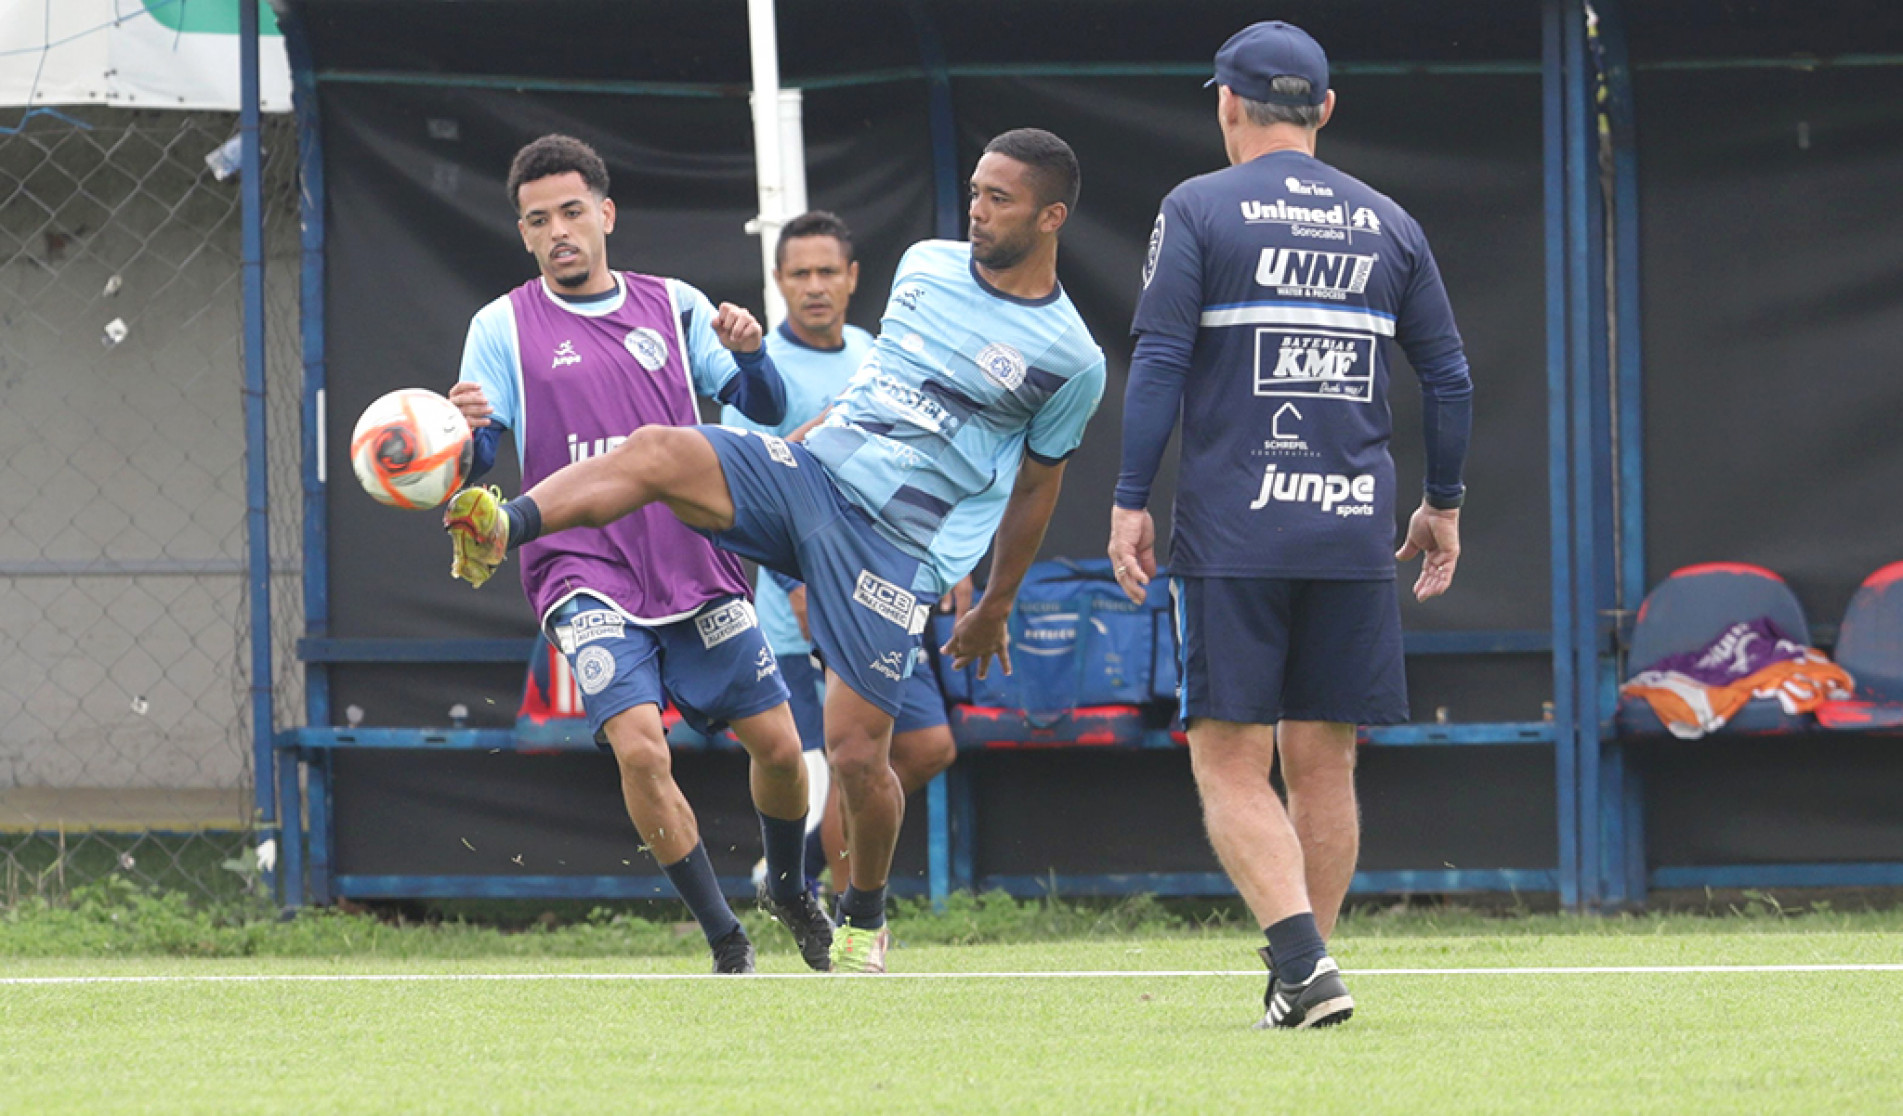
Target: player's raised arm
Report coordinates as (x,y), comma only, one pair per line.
(485,390)
(727,359)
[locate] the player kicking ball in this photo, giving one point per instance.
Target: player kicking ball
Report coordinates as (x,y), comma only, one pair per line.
(954,431)
(643,609)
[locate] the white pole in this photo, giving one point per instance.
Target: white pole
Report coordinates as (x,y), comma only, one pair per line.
(792,153)
(769,166)
(792,195)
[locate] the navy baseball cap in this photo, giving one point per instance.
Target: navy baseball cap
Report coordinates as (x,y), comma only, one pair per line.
(1258,54)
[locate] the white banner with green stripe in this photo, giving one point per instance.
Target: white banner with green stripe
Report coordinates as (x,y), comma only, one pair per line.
(179,54)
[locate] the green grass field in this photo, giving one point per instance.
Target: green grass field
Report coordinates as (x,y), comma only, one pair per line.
(1161,1024)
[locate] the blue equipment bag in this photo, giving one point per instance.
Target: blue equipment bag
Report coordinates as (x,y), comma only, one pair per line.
(1076,640)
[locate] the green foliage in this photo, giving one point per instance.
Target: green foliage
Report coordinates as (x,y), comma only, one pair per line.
(114,916)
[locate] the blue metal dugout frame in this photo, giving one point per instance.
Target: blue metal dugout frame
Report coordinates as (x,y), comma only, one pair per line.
(950,818)
(257,459)
(1595,476)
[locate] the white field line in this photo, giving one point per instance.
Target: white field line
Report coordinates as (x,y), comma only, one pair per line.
(1114,974)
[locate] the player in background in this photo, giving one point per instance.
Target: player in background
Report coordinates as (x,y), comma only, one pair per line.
(574,362)
(953,434)
(816,352)
(1269,291)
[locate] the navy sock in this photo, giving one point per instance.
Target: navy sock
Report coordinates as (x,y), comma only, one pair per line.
(815,858)
(525,520)
(785,842)
(864,909)
(693,876)
(1294,946)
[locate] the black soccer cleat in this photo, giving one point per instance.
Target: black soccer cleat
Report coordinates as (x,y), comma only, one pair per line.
(734,953)
(1320,1001)
(812,930)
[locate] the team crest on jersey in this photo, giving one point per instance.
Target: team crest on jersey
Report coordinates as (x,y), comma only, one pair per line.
(1002,365)
(647,346)
(1156,249)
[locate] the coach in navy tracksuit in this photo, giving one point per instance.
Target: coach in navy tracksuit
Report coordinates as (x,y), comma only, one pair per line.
(1270,292)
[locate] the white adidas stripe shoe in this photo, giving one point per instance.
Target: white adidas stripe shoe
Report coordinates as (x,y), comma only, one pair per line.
(1320,1001)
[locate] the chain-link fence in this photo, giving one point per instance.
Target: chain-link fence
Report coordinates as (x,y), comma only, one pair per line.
(125,725)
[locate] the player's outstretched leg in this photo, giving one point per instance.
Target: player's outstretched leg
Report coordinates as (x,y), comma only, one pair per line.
(859,746)
(666,824)
(778,778)
(670,464)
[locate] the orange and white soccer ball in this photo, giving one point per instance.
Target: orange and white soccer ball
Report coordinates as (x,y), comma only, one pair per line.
(412,449)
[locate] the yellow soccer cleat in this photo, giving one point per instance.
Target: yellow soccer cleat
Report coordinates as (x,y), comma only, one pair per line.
(478,531)
(859,951)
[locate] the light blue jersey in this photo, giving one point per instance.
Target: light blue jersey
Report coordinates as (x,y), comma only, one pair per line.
(493,358)
(963,381)
(813,378)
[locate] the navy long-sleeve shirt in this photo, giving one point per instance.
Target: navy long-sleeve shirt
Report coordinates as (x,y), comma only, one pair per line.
(1270,293)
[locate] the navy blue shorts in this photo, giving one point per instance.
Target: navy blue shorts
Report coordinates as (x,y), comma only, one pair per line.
(923,708)
(806,693)
(715,664)
(1260,650)
(867,600)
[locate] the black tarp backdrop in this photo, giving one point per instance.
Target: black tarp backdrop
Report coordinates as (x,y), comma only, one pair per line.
(421,236)
(1773,261)
(1769,284)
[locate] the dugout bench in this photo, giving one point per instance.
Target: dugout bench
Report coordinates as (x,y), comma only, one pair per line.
(1099,802)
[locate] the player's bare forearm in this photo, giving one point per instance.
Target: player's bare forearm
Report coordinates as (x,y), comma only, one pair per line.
(984,630)
(1026,516)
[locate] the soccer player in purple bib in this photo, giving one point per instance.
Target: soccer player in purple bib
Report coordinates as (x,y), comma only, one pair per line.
(1270,291)
(951,436)
(575,362)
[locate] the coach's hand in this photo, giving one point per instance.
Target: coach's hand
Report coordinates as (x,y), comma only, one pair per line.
(1132,550)
(737,328)
(983,631)
(475,407)
(1434,532)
